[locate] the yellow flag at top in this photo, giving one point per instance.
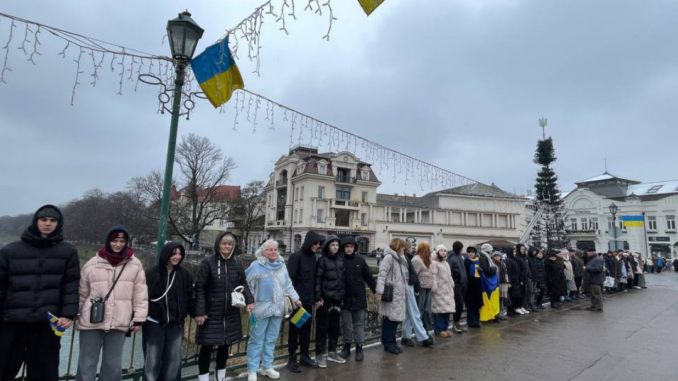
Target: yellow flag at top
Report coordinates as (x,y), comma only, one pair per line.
(370,5)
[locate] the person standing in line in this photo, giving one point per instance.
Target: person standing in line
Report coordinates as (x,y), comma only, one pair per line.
(170,294)
(540,274)
(504,284)
(422,268)
(525,279)
(219,322)
(474,290)
(269,282)
(413,322)
(569,275)
(329,294)
(595,277)
(460,278)
(357,274)
(378,255)
(393,274)
(442,292)
(640,272)
(555,273)
(514,291)
(116,279)
(302,270)
(490,309)
(39,274)
(578,271)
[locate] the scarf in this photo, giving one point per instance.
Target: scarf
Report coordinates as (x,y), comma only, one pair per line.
(473,270)
(113,259)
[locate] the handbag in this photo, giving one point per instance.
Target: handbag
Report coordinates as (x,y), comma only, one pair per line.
(289,306)
(609,282)
(237,297)
(387,296)
(98,310)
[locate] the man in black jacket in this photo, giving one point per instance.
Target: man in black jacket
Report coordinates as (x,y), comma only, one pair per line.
(39,274)
(460,278)
(302,269)
(595,277)
(526,285)
(170,294)
(356,274)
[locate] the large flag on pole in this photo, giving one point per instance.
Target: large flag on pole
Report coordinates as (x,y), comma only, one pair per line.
(217,73)
(490,297)
(370,5)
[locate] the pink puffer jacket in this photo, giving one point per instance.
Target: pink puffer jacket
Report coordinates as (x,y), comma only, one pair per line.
(127,303)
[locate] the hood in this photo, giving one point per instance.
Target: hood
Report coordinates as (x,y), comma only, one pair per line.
(518,246)
(510,253)
(389,251)
(532,251)
(346,240)
(167,250)
(326,246)
(219,237)
(107,241)
(32,234)
(311,238)
(457,247)
(486,249)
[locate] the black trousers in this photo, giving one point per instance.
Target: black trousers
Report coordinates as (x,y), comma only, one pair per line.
(540,296)
(459,294)
(34,344)
(301,336)
(205,357)
(555,299)
(327,327)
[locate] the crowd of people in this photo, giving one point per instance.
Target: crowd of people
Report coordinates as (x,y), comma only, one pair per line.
(422,288)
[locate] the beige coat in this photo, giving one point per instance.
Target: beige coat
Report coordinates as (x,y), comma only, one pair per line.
(442,293)
(393,270)
(424,273)
(127,303)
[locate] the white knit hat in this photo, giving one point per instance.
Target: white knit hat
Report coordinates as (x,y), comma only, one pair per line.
(487,248)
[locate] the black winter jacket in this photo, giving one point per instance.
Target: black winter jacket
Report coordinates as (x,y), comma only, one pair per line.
(329,281)
(595,271)
(39,275)
(525,273)
(458,269)
(540,273)
(413,279)
(178,302)
(356,274)
(555,273)
(302,269)
(513,271)
(216,279)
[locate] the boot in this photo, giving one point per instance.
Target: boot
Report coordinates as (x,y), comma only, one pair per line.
(204,377)
(220,374)
(428,342)
(346,351)
(292,364)
(407,342)
(307,361)
(358,352)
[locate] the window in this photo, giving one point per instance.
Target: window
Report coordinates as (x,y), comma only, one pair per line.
(594,223)
(652,223)
(343,217)
(584,224)
(301,216)
(364,198)
(322,169)
(295,216)
(610,223)
(343,175)
(670,222)
(301,168)
(296,194)
(320,216)
(363,219)
(365,173)
(573,223)
(301,194)
(343,193)
(321,192)
(654,189)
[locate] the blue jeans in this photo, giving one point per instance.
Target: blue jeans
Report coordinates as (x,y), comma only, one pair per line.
(262,339)
(413,318)
(162,350)
(442,322)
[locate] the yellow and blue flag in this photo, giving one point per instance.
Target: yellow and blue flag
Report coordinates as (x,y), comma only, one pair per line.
(217,73)
(300,317)
(53,323)
(370,5)
(490,297)
(633,221)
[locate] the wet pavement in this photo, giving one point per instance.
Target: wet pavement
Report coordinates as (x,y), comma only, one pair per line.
(634,339)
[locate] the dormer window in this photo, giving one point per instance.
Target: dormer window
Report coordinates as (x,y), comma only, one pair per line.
(301,168)
(322,169)
(654,189)
(365,174)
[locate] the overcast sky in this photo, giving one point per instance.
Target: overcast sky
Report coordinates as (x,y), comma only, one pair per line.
(458,83)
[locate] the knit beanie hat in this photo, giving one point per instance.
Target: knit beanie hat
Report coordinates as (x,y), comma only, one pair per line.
(115,234)
(49,212)
(486,248)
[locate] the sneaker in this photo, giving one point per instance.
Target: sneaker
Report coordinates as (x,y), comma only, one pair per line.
(501,317)
(307,361)
(252,376)
(293,365)
(456,328)
(519,311)
(636,287)
(321,360)
(525,311)
(334,357)
(407,342)
(391,349)
(358,352)
(270,373)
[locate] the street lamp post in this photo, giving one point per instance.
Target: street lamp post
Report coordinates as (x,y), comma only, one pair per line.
(184,34)
(613,210)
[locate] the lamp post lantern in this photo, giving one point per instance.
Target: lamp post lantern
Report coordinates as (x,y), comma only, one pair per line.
(613,210)
(184,34)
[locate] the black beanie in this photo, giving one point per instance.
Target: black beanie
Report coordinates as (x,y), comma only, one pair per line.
(49,212)
(457,247)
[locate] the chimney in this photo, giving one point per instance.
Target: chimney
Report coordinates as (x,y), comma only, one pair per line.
(414,195)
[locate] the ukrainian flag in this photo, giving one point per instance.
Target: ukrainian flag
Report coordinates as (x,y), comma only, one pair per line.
(490,297)
(633,221)
(217,73)
(300,317)
(53,322)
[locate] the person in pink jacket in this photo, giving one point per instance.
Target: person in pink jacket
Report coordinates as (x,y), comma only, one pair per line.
(115,279)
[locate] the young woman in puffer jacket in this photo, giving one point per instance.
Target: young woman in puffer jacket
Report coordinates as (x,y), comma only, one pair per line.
(125,308)
(443,292)
(270,284)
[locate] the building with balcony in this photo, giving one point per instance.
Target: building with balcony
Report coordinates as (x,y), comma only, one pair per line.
(589,222)
(336,193)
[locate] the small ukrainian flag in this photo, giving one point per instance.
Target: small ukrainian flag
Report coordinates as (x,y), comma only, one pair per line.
(300,317)
(53,322)
(217,73)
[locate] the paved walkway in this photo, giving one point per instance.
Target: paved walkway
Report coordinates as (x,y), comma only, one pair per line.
(634,339)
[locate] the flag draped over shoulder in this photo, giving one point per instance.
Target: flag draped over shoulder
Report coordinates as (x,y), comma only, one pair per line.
(370,5)
(490,297)
(217,73)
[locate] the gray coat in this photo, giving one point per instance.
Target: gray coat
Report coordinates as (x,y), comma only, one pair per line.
(442,300)
(393,270)
(594,271)
(424,273)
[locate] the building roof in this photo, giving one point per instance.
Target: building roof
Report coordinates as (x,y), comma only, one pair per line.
(430,200)
(606,176)
(480,190)
(654,188)
(220,193)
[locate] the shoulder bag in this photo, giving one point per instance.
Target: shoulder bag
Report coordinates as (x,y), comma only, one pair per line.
(96,314)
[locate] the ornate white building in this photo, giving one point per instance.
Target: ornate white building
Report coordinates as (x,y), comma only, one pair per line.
(336,193)
(589,220)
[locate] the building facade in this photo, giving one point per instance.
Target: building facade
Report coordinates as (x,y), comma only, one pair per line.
(590,222)
(336,193)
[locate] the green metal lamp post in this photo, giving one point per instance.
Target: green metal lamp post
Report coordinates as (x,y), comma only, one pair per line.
(184,34)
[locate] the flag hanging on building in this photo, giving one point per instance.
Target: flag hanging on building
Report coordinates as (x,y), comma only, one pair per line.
(633,221)
(370,5)
(217,73)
